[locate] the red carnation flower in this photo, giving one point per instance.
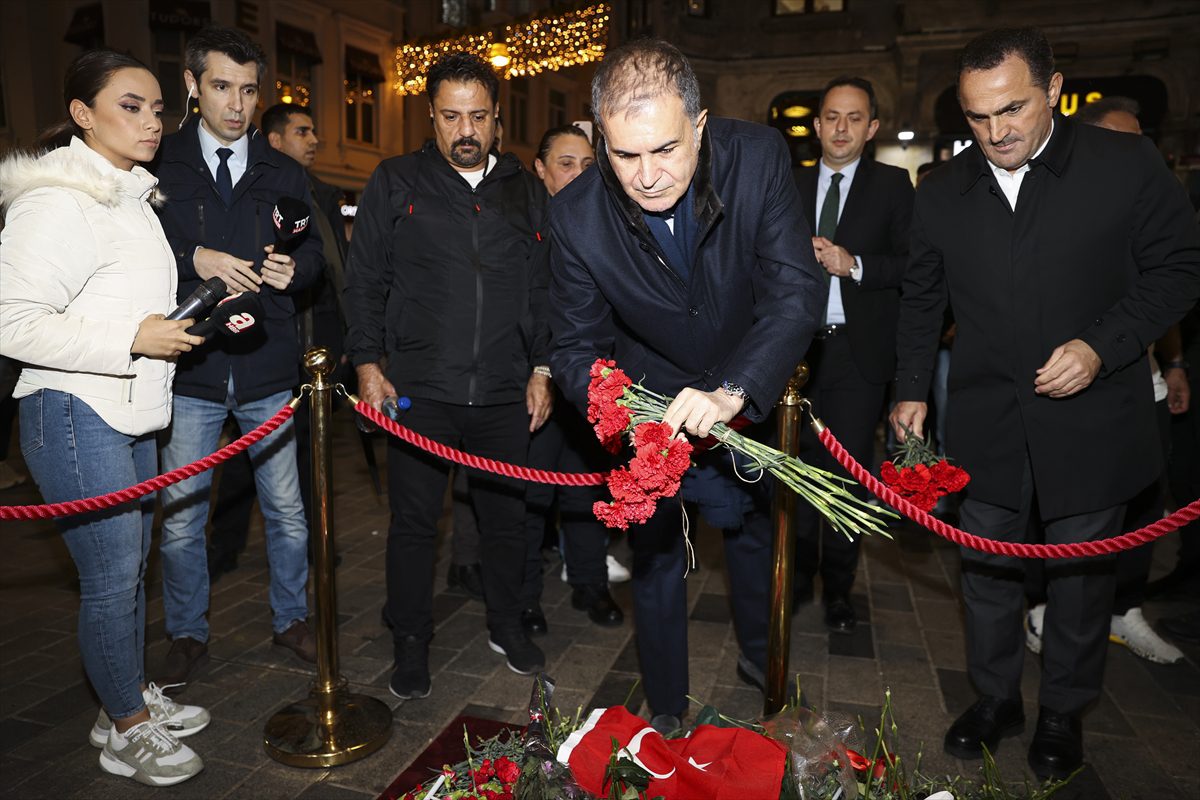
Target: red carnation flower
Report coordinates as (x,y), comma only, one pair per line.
(507,770)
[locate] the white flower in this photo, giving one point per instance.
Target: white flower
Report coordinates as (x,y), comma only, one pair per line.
(943,795)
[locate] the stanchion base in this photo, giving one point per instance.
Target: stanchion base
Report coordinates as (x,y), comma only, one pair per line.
(305,735)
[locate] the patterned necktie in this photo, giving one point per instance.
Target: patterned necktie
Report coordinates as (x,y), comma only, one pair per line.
(225,177)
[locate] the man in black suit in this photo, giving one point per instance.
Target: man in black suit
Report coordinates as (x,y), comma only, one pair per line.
(684,256)
(860,211)
(1064,251)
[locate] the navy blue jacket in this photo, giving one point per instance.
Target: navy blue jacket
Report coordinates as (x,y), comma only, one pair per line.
(266,359)
(1102,247)
(753,299)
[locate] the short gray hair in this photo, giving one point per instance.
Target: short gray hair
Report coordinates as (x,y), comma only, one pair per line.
(641,70)
(1092,113)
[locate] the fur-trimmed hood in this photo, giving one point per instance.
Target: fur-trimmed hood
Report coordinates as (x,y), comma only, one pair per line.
(76,167)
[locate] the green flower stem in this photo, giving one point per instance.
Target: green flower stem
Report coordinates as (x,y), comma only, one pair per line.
(824,491)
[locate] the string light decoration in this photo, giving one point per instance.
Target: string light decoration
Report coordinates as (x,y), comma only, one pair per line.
(541,44)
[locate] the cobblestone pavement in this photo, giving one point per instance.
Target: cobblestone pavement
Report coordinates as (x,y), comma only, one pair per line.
(1142,738)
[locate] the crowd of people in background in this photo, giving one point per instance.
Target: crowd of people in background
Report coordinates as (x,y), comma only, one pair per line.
(682,245)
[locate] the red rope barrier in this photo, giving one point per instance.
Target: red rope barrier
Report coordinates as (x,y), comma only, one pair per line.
(1126,541)
(144,488)
(469,460)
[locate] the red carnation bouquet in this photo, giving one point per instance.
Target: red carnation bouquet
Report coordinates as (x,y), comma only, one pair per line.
(617,406)
(921,476)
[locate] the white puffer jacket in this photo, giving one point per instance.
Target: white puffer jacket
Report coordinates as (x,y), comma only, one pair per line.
(83,260)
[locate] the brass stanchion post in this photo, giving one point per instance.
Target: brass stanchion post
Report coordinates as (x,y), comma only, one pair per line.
(783,510)
(331,726)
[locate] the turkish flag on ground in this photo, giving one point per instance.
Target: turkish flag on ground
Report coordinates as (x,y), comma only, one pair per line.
(710,764)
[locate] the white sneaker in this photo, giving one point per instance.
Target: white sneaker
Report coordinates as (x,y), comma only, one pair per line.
(617,572)
(1132,630)
(179,720)
(150,755)
(1034,627)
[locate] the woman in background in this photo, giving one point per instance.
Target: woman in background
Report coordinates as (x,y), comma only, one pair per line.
(86,276)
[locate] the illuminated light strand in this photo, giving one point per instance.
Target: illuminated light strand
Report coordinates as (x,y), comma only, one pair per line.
(542,44)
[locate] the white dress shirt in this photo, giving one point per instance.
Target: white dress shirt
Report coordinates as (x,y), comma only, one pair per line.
(237,162)
(1010,182)
(835,313)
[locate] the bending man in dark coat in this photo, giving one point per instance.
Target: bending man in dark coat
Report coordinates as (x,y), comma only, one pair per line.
(1065,250)
(684,256)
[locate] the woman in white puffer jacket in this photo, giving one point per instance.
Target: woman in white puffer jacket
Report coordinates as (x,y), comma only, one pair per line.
(86,275)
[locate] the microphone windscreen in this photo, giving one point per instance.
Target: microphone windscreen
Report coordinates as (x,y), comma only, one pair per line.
(290,217)
(233,316)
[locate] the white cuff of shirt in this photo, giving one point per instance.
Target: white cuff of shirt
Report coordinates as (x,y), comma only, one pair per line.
(857,270)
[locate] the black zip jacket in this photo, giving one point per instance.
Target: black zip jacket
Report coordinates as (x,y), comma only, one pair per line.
(264,360)
(448,282)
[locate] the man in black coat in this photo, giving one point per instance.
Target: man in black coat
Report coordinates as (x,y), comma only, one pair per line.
(684,256)
(860,211)
(222,181)
(447,284)
(1064,251)
(319,321)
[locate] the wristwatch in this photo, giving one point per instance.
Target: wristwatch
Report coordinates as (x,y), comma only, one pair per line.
(1177,364)
(733,390)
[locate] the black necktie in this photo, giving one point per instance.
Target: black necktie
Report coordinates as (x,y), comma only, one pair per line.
(224,176)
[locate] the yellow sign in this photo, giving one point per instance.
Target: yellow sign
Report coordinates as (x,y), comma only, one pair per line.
(1068,102)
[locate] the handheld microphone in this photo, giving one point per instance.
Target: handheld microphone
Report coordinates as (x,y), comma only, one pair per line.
(233,316)
(291,221)
(205,297)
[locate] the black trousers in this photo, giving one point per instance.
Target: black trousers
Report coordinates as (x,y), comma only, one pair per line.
(851,406)
(660,598)
(416,490)
(1078,608)
(566,443)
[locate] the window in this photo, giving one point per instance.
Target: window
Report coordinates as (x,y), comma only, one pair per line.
(786,7)
(296,59)
(171,23)
(454,13)
(518,117)
(558,108)
(363,78)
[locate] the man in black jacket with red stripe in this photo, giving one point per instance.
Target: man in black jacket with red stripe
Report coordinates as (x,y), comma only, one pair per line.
(447,280)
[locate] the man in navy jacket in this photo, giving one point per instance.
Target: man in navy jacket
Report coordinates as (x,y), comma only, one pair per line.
(222,181)
(685,256)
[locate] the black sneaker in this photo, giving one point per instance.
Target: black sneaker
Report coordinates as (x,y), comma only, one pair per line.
(524,657)
(410,678)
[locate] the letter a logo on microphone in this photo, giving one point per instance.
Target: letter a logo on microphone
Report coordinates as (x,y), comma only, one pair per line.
(239,322)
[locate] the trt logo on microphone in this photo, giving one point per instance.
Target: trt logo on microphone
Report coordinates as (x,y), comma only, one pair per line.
(239,322)
(297,227)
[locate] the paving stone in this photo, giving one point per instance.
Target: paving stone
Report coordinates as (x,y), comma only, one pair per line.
(890,596)
(858,644)
(711,607)
(853,680)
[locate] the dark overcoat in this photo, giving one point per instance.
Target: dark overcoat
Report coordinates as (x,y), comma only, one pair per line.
(749,308)
(1102,247)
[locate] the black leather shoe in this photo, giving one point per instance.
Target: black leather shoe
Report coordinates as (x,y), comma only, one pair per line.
(1057,747)
(468,578)
(410,674)
(534,622)
(750,674)
(840,616)
(599,605)
(984,724)
(183,659)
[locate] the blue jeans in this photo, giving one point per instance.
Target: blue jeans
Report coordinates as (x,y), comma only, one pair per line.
(194,434)
(72,454)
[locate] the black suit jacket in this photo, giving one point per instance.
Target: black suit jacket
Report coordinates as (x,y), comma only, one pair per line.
(1102,247)
(874,225)
(749,310)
